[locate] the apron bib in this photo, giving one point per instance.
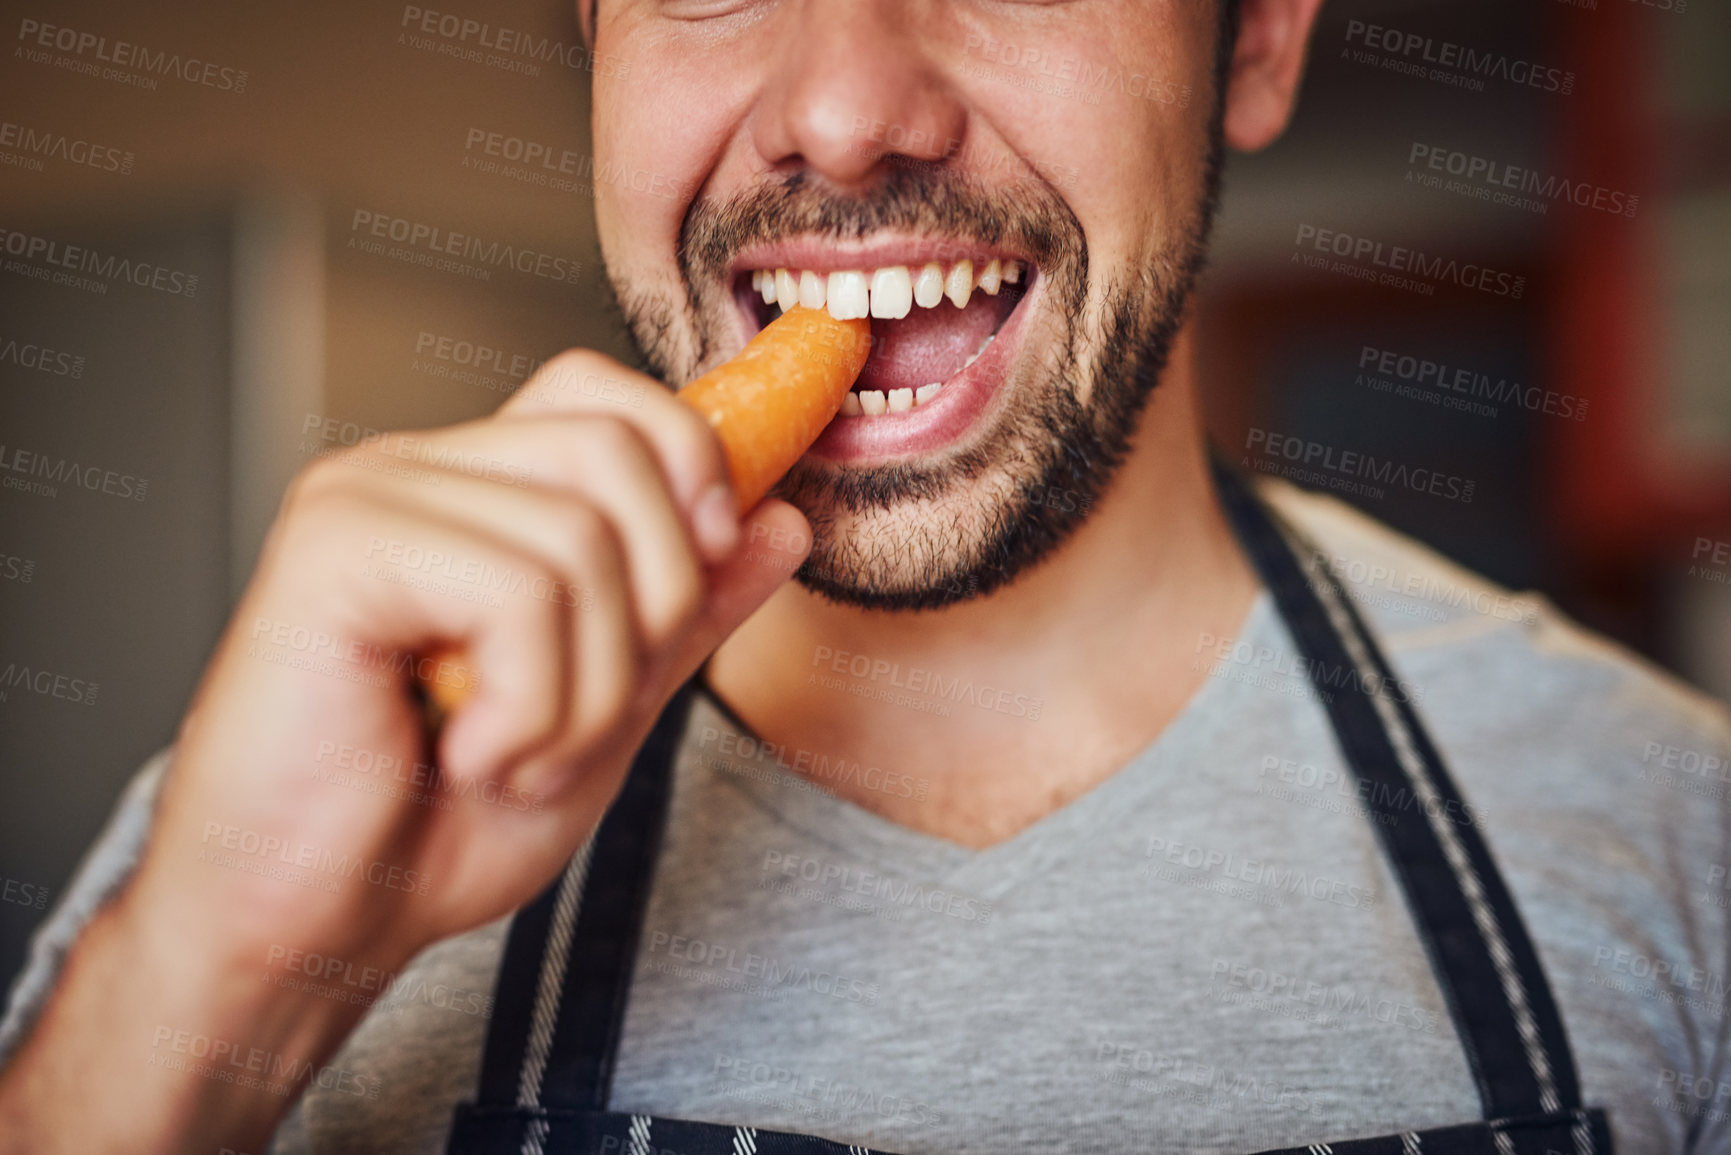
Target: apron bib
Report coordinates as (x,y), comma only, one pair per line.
(559,1006)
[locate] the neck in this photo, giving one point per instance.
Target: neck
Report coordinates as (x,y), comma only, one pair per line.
(1010,705)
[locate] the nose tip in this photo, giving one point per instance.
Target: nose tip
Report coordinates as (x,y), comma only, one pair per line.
(855,90)
(849,149)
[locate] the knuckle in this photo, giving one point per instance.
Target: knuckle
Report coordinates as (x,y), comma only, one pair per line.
(697,441)
(590,538)
(606,698)
(682,603)
(315,508)
(610,699)
(614,441)
(540,611)
(573,360)
(319,530)
(314,481)
(557,378)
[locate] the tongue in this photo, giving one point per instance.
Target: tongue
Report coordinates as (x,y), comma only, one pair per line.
(930,344)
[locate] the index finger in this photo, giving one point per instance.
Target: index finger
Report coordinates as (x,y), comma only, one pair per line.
(584,381)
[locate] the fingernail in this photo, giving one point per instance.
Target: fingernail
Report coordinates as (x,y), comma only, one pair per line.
(715,520)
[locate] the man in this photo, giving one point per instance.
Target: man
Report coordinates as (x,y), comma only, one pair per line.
(966,850)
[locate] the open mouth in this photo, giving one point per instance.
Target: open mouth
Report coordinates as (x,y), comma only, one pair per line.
(935,318)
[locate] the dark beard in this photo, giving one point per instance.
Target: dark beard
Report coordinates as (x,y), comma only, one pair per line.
(1046,462)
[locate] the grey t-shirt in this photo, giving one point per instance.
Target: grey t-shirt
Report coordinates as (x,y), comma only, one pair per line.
(1205,953)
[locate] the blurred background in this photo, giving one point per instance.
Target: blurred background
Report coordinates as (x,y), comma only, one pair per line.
(192,305)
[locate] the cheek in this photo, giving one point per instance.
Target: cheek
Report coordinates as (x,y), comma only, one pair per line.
(655,144)
(1114,119)
(632,225)
(1139,159)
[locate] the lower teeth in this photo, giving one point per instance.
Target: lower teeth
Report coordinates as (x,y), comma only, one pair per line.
(872,402)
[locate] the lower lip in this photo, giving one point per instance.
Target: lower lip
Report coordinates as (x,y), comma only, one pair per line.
(935,424)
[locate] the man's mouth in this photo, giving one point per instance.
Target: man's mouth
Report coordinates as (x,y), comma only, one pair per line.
(935,318)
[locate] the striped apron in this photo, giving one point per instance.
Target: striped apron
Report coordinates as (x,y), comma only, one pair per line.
(559,1006)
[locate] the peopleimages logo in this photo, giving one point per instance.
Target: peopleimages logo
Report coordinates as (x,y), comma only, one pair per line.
(741,753)
(538,163)
(1496,181)
(35,145)
(340,980)
(471,362)
(38,39)
(1244,983)
(1259,872)
(242,843)
(1304,670)
(811,1094)
(46,684)
(870,884)
(24,894)
(29,471)
(1473,387)
(1371,577)
(932,687)
(82,259)
(15,568)
(428,242)
(1072,76)
(42,359)
(252,1067)
(1453,62)
(751,972)
(509,49)
(1397,265)
(1348,470)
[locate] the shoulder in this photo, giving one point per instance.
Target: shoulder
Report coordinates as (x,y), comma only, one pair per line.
(1603,787)
(1504,676)
(1404,588)
(1513,655)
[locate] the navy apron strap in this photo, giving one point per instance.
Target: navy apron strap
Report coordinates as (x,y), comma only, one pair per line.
(1571,1133)
(1479,949)
(558,1012)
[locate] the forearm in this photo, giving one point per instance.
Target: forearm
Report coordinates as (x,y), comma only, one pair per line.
(156,1041)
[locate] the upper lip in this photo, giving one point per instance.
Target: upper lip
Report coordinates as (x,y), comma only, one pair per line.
(824,255)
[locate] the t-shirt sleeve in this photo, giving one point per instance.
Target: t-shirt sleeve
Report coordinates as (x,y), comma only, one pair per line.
(105,869)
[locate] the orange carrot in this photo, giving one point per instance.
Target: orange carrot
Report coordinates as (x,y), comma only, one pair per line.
(770,403)
(767,406)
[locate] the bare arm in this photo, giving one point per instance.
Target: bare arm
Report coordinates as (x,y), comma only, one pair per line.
(574,552)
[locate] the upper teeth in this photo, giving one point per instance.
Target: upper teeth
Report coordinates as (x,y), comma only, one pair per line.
(812,290)
(846,296)
(959,285)
(889,292)
(892,292)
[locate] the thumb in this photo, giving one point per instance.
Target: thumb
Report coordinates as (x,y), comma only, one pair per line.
(775,539)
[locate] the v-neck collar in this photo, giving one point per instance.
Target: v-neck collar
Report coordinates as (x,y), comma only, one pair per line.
(992,872)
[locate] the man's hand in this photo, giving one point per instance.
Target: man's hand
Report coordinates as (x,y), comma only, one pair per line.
(578,554)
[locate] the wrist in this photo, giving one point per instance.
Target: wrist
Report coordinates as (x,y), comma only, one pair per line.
(160,1037)
(220,977)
